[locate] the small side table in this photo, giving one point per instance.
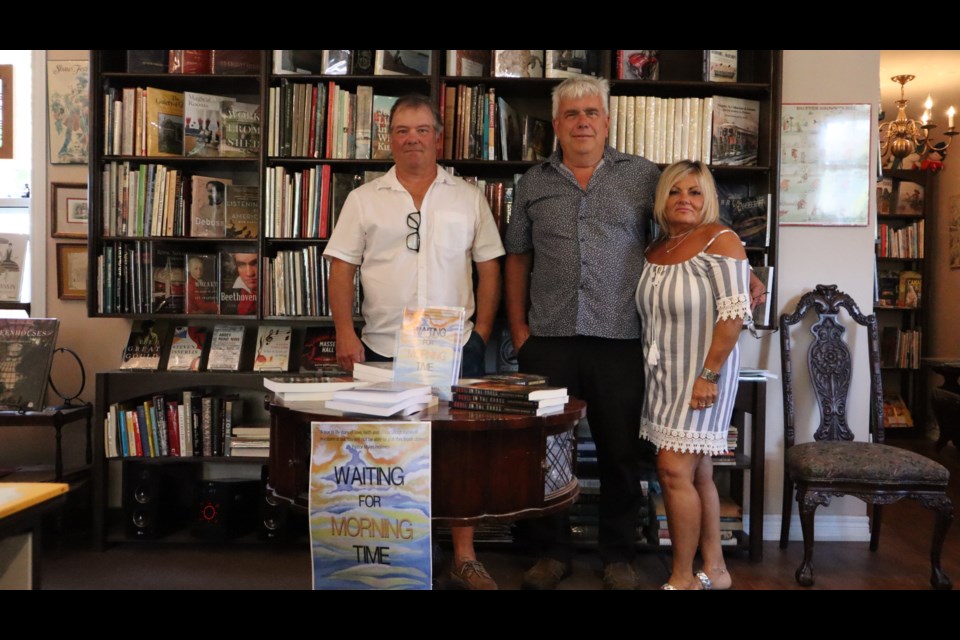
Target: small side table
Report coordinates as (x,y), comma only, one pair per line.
(946,400)
(57,419)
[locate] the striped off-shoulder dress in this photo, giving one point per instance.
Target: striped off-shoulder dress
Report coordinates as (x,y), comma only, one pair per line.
(679,305)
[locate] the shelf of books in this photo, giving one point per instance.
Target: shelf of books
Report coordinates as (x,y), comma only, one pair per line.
(217,176)
(904,201)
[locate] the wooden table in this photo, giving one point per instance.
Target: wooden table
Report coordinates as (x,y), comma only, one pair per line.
(56,419)
(22,507)
(486,467)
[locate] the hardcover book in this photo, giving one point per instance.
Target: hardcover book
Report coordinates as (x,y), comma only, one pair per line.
(239,284)
(362,61)
(909,199)
(144,345)
(190,61)
(749,217)
(473,63)
(146,60)
(299,61)
(518,63)
(294,384)
(888,285)
(736,126)
(13,253)
(226,345)
(242,211)
(567,63)
(273,349)
(186,349)
(241,129)
(236,61)
(638,64)
(319,351)
(403,62)
(909,288)
(380,134)
(761,313)
(508,391)
(525,379)
(720,65)
(336,62)
(537,139)
(885,196)
(511,131)
(27,347)
(203,282)
(207,213)
(164,122)
(201,124)
(169,280)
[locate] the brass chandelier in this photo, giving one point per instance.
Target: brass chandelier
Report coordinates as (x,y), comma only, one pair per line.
(904,135)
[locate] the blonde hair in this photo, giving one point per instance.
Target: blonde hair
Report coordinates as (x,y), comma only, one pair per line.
(674,174)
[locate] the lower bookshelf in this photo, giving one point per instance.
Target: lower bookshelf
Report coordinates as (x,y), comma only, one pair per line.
(730,476)
(185,481)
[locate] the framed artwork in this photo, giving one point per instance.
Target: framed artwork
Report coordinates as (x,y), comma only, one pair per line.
(68,110)
(6,111)
(825,164)
(72,271)
(954,232)
(406,62)
(69,210)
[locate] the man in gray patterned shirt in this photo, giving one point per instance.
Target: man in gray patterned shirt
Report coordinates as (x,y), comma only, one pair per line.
(575,248)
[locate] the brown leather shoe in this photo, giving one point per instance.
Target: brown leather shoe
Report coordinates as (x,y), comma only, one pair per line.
(472,575)
(546,574)
(620,576)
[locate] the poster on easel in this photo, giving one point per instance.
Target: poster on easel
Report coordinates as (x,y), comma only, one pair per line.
(369,505)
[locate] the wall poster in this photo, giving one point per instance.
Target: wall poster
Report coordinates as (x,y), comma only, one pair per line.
(825,164)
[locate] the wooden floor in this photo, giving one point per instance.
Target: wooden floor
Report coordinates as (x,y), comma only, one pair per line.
(902,561)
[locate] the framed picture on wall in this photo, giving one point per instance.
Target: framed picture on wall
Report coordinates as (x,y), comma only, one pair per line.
(825,175)
(68,110)
(69,210)
(72,271)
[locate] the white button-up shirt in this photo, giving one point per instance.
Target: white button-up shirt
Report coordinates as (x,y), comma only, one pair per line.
(456,229)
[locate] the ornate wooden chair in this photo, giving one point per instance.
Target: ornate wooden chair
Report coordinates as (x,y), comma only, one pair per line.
(834,465)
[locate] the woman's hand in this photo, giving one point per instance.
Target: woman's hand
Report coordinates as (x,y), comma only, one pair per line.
(704,394)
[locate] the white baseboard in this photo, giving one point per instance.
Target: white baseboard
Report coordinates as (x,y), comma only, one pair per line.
(827,528)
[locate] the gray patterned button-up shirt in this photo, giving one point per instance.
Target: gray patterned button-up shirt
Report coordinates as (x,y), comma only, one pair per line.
(587,244)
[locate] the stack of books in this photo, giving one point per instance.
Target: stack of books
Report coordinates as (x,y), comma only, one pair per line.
(519,393)
(383,399)
(307,392)
(249,441)
(373,371)
(728,459)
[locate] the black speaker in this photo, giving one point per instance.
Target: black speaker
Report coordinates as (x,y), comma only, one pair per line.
(156,498)
(227,509)
(277,521)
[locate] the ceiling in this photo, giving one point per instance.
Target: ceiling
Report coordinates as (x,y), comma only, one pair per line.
(937,73)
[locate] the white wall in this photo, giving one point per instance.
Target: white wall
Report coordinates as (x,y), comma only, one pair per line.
(820,255)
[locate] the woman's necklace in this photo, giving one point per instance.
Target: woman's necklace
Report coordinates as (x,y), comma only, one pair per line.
(682,236)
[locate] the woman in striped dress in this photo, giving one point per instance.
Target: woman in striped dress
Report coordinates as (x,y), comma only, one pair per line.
(693,299)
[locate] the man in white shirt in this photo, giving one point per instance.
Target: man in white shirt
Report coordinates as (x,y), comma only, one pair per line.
(415,235)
